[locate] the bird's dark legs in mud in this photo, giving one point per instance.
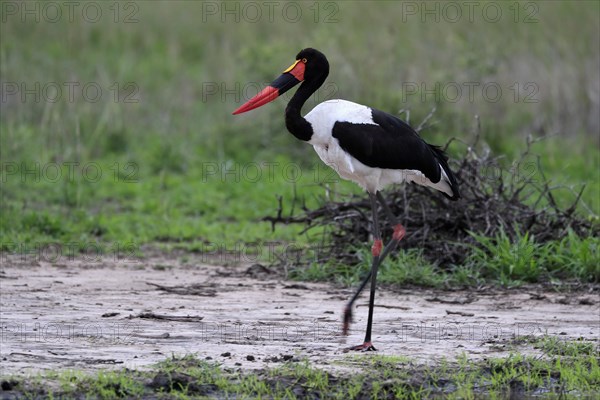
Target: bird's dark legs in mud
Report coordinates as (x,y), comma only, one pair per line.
(378,257)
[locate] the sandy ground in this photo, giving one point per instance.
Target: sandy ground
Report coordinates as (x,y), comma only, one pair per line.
(133,313)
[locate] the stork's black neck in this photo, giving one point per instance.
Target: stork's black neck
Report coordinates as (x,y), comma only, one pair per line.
(294,121)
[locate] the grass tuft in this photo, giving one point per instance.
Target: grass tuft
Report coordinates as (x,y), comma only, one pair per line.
(565,368)
(524,260)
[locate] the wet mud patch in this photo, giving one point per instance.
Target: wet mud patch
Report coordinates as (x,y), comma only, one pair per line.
(111,315)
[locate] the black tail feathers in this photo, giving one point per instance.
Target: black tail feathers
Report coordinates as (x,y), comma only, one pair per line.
(443,160)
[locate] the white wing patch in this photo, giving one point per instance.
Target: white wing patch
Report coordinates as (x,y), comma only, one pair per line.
(325,115)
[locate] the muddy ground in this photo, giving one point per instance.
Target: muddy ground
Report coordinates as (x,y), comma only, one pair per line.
(110,313)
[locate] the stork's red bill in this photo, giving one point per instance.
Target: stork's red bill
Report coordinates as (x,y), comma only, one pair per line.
(287,80)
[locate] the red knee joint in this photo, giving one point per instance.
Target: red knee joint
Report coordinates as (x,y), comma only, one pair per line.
(399,232)
(376,248)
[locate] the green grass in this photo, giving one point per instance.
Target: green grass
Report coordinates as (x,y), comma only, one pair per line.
(192,207)
(524,260)
(564,369)
(497,260)
(404,268)
(163,139)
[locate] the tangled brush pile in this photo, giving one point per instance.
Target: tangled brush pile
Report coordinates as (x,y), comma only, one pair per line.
(510,200)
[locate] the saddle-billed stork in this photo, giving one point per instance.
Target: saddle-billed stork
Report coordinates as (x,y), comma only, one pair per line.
(362,144)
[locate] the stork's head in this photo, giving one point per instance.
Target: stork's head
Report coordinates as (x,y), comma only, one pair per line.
(311,66)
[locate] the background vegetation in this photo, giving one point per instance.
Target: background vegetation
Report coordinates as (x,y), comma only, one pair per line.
(158,159)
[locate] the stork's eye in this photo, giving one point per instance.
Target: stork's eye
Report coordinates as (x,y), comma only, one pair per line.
(304,60)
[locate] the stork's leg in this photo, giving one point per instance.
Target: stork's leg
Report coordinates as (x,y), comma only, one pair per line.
(399,230)
(376,252)
(399,233)
(386,208)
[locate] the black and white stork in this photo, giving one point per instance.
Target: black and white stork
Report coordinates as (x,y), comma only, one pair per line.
(362,144)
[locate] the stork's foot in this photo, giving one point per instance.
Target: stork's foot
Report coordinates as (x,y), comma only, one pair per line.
(347,320)
(366,346)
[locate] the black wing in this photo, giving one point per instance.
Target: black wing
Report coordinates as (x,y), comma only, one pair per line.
(392,144)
